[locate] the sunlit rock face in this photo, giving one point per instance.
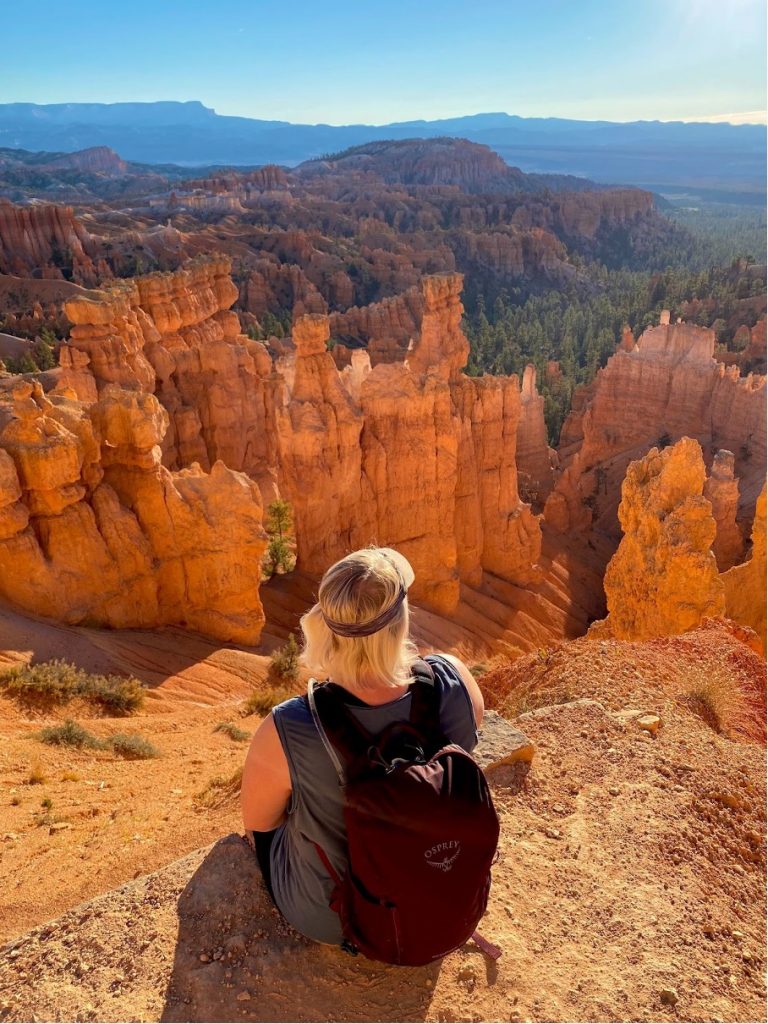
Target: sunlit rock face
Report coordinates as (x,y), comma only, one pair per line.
(745,599)
(94,529)
(412,454)
(669,385)
(174,335)
(663,578)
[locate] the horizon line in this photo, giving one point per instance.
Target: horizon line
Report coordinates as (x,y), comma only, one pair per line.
(751,118)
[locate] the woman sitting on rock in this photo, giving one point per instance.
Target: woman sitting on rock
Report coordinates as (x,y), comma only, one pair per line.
(357,635)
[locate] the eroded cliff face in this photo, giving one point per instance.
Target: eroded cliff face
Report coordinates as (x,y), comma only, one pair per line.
(672,387)
(47,241)
(385,328)
(745,598)
(721,489)
(535,459)
(663,578)
(411,454)
(274,285)
(173,335)
(94,529)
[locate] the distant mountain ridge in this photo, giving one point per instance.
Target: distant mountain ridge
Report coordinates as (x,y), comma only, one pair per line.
(650,153)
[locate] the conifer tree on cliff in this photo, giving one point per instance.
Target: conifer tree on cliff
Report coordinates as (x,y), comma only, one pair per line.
(279,525)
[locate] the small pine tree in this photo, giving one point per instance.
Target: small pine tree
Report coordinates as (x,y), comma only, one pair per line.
(279,555)
(279,518)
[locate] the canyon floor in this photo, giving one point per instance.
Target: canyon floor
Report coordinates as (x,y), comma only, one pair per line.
(630,884)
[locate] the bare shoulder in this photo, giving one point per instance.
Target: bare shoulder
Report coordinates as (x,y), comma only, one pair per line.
(266,748)
(478,704)
(266,785)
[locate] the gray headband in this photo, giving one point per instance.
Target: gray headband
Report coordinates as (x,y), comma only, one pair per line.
(355,629)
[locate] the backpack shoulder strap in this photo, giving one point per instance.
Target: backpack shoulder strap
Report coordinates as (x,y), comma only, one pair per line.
(425,703)
(337,726)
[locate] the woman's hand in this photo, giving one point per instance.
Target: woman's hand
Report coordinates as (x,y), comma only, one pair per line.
(266,786)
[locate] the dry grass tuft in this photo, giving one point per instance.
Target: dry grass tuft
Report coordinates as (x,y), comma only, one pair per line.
(264,698)
(721,701)
(221,791)
(231,730)
(132,747)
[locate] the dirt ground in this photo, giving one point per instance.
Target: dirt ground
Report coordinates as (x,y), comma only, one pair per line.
(630,883)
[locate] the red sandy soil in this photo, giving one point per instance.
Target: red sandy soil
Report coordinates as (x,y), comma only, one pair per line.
(630,865)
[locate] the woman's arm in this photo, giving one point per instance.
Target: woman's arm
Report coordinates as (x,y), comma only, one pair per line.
(478,704)
(266,786)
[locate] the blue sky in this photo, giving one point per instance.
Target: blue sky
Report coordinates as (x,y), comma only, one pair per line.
(341,62)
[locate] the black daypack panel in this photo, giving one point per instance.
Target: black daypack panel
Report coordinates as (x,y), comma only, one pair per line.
(421,830)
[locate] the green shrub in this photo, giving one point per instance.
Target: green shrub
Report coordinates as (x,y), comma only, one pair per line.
(114,693)
(58,682)
(132,747)
(284,663)
(70,734)
(231,730)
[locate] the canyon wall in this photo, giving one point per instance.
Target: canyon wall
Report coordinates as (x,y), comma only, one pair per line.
(47,241)
(535,459)
(94,530)
(385,328)
(745,598)
(672,387)
(173,335)
(411,454)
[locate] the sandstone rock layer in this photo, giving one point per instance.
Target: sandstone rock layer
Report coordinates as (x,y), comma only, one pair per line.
(663,578)
(414,455)
(174,335)
(93,529)
(745,584)
(673,387)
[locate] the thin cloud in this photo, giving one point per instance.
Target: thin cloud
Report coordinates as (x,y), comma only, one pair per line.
(745,117)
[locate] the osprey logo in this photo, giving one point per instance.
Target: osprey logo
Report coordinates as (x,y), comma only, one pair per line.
(450,851)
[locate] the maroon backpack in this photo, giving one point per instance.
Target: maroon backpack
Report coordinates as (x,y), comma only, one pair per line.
(421,829)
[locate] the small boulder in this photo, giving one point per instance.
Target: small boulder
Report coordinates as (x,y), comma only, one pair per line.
(649,723)
(501,743)
(669,996)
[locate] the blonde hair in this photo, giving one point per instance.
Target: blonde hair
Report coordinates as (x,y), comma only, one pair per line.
(355,590)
